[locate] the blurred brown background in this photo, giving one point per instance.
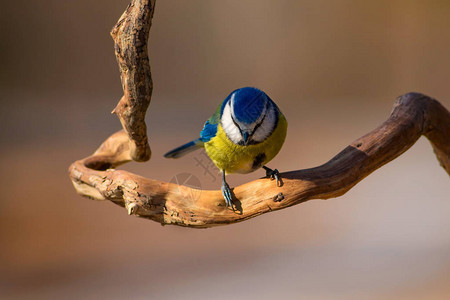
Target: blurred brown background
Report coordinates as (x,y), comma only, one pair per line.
(333,67)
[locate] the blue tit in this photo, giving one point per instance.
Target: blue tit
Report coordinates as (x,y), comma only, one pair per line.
(244,134)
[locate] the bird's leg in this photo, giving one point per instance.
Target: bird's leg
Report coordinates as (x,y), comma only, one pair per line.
(226,192)
(273,174)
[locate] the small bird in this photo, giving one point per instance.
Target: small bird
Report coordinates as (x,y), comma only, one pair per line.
(244,134)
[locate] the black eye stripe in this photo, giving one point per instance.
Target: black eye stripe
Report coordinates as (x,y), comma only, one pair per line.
(258,125)
(262,120)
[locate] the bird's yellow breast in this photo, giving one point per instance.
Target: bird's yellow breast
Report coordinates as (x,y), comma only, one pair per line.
(233,158)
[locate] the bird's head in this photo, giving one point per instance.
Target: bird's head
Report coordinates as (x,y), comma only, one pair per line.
(249,116)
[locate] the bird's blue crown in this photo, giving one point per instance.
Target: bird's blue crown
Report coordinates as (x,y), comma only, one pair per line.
(248,104)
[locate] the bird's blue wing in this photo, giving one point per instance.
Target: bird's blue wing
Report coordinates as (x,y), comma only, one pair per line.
(208,132)
(210,128)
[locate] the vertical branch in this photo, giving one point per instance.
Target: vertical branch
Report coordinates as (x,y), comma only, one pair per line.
(130,36)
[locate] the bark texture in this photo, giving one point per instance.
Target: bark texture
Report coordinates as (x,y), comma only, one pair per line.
(95,177)
(130,36)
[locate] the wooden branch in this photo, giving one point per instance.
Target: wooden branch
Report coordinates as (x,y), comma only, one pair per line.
(167,203)
(130,36)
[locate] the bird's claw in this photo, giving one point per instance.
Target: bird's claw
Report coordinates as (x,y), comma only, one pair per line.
(273,174)
(226,192)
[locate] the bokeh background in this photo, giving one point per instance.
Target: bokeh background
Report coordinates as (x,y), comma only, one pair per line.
(333,67)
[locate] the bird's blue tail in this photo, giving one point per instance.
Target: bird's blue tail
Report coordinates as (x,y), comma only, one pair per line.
(184,149)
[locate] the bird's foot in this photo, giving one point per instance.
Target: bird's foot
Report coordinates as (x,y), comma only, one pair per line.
(273,174)
(226,192)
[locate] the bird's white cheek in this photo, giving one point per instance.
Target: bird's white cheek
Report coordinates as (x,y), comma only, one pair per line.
(229,127)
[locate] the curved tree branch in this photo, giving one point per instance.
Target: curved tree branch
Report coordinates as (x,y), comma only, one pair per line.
(413,115)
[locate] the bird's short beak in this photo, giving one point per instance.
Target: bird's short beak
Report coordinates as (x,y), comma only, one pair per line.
(246,137)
